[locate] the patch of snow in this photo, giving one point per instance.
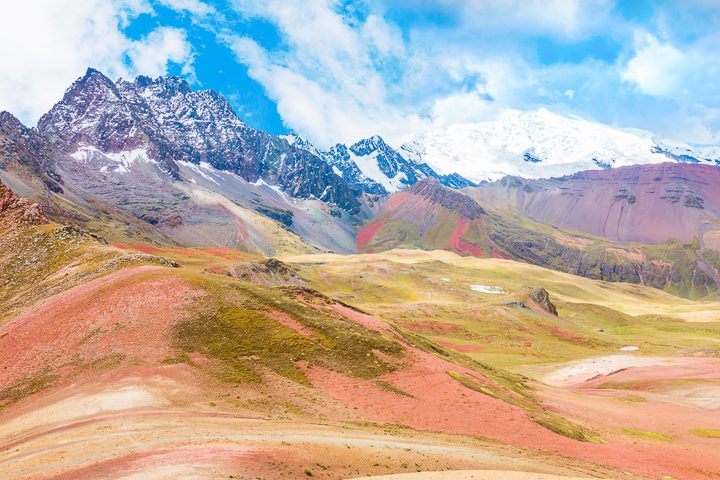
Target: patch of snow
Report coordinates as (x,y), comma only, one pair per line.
(629,348)
(337,171)
(368,165)
(201,170)
(291,139)
(262,183)
(495,290)
(114,161)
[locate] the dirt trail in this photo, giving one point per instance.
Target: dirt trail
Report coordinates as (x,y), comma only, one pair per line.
(473,475)
(162,443)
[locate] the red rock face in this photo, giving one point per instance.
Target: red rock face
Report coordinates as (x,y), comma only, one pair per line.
(461,246)
(436,216)
(642,203)
(14,209)
(367,233)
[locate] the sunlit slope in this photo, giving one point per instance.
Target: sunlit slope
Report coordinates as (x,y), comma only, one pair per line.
(430,216)
(432,293)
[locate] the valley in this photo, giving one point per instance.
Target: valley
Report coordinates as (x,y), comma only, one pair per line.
(184,296)
(210,363)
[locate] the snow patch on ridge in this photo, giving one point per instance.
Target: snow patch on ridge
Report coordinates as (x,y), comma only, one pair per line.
(118,162)
(368,165)
(203,169)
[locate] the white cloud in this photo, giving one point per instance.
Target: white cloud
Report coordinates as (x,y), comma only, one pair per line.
(463,107)
(151,55)
(686,74)
(327,83)
(656,68)
(565,19)
(196,7)
(46,44)
(340,77)
(386,38)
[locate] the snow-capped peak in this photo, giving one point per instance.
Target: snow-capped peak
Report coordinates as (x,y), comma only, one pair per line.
(375,167)
(540,143)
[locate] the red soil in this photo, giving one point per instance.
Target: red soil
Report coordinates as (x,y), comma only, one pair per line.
(149,249)
(499,255)
(428,326)
(367,233)
(686,456)
(437,402)
(217,454)
(461,246)
(122,315)
(291,323)
(396,200)
(363,319)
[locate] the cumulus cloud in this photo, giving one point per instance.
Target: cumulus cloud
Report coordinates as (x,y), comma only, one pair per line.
(656,68)
(339,76)
(345,70)
(151,55)
(662,69)
(327,81)
(567,19)
(46,44)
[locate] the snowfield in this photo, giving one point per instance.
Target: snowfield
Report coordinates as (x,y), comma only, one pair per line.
(542,144)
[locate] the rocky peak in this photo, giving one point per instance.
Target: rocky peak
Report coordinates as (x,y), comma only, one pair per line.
(16,210)
(92,112)
(172,123)
(171,84)
(9,124)
(457,202)
(370,145)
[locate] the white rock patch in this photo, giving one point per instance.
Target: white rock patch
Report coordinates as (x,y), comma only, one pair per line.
(494,290)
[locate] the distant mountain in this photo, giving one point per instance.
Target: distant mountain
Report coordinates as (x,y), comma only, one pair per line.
(640,203)
(156,161)
(153,161)
(543,144)
(376,168)
(431,217)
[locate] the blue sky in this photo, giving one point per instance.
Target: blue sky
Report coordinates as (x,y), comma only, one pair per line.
(340,70)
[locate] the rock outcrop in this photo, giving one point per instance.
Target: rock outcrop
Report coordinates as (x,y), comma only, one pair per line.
(542,298)
(15,210)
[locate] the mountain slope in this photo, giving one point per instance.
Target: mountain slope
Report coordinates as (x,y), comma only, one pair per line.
(643,203)
(543,144)
(153,161)
(428,216)
(431,216)
(164,121)
(171,359)
(374,167)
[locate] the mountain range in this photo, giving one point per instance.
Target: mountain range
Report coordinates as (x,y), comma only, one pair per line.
(184,296)
(152,160)
(543,144)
